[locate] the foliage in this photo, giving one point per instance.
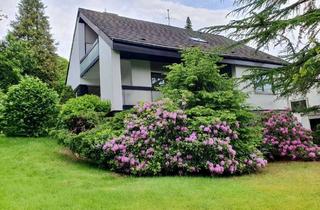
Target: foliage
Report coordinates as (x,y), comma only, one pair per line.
(83,113)
(284,137)
(188,24)
(30,108)
(2,99)
(32,26)
(279,23)
(16,59)
(158,141)
(207,96)
(197,82)
(88,144)
(65,93)
(62,68)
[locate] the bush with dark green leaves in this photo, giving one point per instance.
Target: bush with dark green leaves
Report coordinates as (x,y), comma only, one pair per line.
(2,98)
(65,93)
(88,144)
(83,113)
(30,108)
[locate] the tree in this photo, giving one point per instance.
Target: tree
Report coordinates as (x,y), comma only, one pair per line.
(16,60)
(278,23)
(32,26)
(197,82)
(207,96)
(188,24)
(62,68)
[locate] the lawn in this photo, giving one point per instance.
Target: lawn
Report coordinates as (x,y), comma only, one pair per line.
(39,174)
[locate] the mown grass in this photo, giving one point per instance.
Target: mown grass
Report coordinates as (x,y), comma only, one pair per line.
(39,174)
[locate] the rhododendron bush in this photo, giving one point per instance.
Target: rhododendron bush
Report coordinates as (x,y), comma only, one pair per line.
(285,138)
(158,140)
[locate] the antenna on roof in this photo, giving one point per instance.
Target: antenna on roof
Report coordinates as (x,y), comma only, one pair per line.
(105,10)
(168,16)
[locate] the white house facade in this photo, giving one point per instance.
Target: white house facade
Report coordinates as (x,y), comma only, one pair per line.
(123,60)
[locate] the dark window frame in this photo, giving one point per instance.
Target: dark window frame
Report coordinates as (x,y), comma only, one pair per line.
(299,106)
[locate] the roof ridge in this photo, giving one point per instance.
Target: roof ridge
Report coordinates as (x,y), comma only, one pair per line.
(146,21)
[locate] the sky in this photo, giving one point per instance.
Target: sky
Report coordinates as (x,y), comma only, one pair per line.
(62,14)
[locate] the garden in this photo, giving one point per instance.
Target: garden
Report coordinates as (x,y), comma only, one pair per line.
(208,131)
(204,151)
(200,146)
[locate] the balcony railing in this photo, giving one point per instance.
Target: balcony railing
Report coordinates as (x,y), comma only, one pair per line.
(132,95)
(89,59)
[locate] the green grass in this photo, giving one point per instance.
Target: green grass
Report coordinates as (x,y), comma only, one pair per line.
(39,174)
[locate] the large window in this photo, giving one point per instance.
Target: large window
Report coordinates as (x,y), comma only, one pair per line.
(157,79)
(298,106)
(263,88)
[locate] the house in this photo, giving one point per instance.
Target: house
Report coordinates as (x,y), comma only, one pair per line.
(123,59)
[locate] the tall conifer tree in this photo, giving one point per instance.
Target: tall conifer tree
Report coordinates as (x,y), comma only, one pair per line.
(188,24)
(32,26)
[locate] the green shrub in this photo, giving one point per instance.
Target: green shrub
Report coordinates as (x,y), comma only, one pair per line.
(65,93)
(2,99)
(83,113)
(30,108)
(88,144)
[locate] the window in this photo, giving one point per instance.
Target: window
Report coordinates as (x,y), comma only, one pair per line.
(157,79)
(197,39)
(226,69)
(298,106)
(264,88)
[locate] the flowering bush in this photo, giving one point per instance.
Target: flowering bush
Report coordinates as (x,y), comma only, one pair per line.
(158,140)
(284,137)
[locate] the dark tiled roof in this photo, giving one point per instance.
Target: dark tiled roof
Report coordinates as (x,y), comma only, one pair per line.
(158,35)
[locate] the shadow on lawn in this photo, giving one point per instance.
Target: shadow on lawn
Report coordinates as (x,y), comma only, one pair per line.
(67,156)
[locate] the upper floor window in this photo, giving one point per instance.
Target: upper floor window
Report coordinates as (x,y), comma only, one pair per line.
(263,88)
(298,106)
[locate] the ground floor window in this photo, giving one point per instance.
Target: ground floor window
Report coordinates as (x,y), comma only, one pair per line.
(157,79)
(314,123)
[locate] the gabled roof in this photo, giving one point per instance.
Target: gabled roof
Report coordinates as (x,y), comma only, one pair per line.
(150,34)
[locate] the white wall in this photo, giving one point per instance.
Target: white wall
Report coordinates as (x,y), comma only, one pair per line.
(74,67)
(126,72)
(313,99)
(81,41)
(110,75)
(259,100)
(77,52)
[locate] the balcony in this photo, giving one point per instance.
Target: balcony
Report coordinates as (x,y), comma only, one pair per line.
(91,57)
